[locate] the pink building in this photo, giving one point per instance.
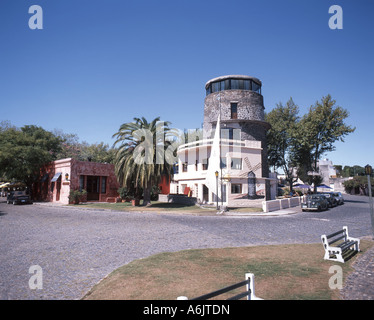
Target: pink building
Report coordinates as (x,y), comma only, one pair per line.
(61,176)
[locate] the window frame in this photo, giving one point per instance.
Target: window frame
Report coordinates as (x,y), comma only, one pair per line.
(234,114)
(232,163)
(103,184)
(236,191)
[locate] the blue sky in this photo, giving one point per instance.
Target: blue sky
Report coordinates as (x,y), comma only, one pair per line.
(98,64)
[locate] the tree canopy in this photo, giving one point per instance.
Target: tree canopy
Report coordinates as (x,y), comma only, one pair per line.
(301,141)
(281,137)
(71,147)
(24,151)
(358,185)
(140,158)
(320,128)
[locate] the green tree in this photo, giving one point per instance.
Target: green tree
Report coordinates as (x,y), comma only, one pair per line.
(351,171)
(70,145)
(83,151)
(140,158)
(24,151)
(96,152)
(347,171)
(318,131)
(281,138)
(339,170)
(359,184)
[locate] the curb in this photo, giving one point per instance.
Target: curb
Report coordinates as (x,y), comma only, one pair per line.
(282,212)
(264,214)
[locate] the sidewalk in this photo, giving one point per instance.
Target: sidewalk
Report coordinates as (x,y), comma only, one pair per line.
(281,212)
(359,285)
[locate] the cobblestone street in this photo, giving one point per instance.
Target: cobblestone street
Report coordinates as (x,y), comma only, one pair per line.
(77,248)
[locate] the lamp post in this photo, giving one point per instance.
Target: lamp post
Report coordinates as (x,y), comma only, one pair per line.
(216,173)
(369,171)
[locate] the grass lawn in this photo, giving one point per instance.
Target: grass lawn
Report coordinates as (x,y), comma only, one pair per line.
(295,271)
(161,207)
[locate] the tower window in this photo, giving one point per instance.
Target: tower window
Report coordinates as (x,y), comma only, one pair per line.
(234,84)
(234,111)
(256,87)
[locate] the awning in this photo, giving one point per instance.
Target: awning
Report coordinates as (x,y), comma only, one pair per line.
(4,185)
(56,176)
(323,186)
(302,186)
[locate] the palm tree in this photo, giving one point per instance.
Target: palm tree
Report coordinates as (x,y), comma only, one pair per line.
(140,158)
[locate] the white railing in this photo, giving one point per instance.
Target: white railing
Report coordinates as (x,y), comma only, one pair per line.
(279,204)
(223,142)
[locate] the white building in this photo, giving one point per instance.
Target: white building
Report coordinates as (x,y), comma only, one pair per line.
(231,161)
(326,170)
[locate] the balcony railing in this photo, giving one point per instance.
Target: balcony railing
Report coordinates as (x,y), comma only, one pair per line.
(223,143)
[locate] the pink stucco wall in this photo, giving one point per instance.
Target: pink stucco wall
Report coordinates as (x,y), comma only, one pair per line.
(59,191)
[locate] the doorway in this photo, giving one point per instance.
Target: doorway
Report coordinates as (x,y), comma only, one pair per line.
(205,193)
(93,188)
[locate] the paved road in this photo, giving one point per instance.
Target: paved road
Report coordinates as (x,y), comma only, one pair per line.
(76,248)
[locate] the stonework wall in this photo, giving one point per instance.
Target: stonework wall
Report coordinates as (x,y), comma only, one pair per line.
(250,106)
(250,117)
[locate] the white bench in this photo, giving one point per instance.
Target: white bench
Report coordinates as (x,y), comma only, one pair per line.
(342,243)
(249,292)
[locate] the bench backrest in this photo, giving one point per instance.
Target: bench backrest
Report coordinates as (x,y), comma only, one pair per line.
(335,237)
(249,292)
(216,293)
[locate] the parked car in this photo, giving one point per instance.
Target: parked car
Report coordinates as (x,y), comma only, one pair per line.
(315,202)
(18,197)
(339,197)
(331,199)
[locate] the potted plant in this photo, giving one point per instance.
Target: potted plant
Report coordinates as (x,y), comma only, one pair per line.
(123,193)
(129,194)
(135,202)
(75,196)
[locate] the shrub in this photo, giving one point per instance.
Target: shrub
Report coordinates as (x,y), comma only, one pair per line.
(357,185)
(75,196)
(123,193)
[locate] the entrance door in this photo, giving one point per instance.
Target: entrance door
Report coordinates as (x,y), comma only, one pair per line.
(93,188)
(205,193)
(58,189)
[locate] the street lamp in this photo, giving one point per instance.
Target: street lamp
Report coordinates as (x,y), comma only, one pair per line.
(216,173)
(369,171)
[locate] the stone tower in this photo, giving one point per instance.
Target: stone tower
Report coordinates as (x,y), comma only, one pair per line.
(238,99)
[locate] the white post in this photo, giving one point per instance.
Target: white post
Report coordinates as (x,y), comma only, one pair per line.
(251,287)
